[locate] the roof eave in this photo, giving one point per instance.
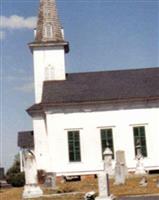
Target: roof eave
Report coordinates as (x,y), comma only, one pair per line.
(36,111)
(37,44)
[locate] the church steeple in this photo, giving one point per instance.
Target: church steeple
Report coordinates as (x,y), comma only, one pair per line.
(48,26)
(48,48)
(48,30)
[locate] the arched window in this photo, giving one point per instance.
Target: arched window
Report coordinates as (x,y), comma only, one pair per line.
(49,72)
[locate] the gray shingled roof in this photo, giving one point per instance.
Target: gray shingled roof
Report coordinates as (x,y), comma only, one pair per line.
(108,86)
(26,139)
(103,86)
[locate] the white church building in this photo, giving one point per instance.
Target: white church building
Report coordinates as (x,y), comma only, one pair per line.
(77,115)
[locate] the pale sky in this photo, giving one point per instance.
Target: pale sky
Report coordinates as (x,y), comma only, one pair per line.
(103,35)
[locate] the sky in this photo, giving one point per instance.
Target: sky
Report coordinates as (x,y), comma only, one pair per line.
(103,35)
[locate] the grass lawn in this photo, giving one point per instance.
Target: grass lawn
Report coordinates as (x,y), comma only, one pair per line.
(130,188)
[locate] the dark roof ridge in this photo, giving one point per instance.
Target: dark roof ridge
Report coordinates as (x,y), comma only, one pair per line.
(102,71)
(26,131)
(115,70)
(53,81)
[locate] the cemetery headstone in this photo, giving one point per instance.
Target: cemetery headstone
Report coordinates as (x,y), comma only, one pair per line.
(108,161)
(31,188)
(3,182)
(120,156)
(103,179)
(103,187)
(143,182)
(50,180)
(120,168)
(140,170)
(1,173)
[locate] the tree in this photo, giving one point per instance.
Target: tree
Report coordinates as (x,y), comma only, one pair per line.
(14,176)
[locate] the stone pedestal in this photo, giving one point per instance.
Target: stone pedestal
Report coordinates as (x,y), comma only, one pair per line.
(111,197)
(108,168)
(31,188)
(32,191)
(140,170)
(103,186)
(120,174)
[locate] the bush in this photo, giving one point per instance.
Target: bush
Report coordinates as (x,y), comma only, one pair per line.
(16,180)
(14,176)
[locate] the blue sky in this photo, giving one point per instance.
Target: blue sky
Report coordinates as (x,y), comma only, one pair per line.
(103,35)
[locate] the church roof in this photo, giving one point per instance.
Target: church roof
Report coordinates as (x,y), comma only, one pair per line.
(26,139)
(48,17)
(97,87)
(48,30)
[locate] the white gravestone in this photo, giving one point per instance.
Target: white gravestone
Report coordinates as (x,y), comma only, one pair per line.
(103,178)
(31,188)
(103,185)
(120,168)
(140,170)
(108,161)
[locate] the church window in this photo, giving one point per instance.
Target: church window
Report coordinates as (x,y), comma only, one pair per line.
(48,31)
(49,72)
(107,140)
(74,146)
(140,140)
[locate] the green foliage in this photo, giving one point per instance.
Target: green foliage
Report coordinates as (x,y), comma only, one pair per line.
(16,180)
(14,176)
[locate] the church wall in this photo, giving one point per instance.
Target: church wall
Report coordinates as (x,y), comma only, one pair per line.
(41,144)
(89,125)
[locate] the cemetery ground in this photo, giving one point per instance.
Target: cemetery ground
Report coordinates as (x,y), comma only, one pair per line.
(76,190)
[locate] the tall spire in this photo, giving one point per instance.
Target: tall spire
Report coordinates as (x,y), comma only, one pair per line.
(48,26)
(48,30)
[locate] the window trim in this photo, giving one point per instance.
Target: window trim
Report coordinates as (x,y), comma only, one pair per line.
(106,128)
(74,130)
(140,124)
(145,131)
